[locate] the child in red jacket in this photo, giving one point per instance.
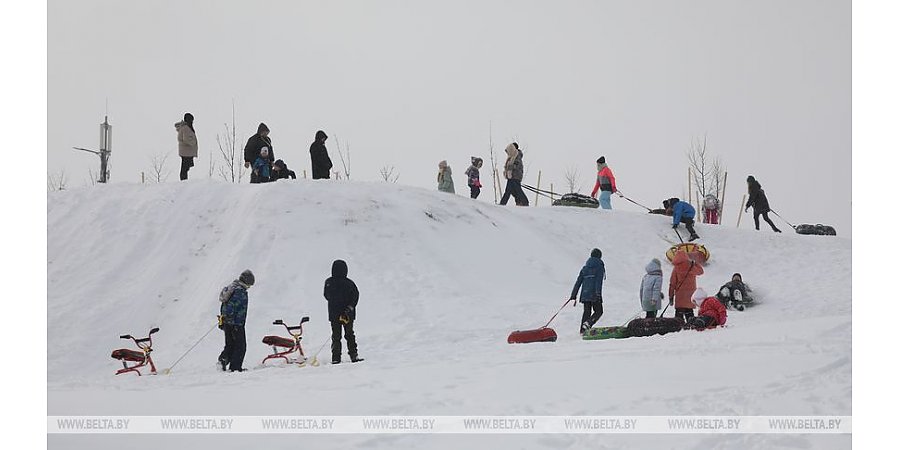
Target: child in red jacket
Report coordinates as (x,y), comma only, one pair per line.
(712,312)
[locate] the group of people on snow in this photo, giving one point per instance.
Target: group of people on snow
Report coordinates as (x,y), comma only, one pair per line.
(340,292)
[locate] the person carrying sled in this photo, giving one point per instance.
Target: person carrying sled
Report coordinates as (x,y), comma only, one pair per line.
(321,162)
(514,171)
(232,318)
(759,202)
(682,284)
(590,280)
(651,288)
(711,209)
(474,177)
(445,178)
(606,183)
(710,312)
(735,293)
(683,212)
(281,171)
(262,167)
(187,144)
(254,147)
(342,296)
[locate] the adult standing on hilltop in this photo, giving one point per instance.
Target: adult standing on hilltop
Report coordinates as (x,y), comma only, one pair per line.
(514,171)
(759,202)
(321,163)
(187,143)
(254,145)
(606,183)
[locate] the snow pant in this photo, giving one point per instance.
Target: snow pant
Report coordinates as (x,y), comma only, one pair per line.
(514,188)
(689,224)
(765,215)
(605,199)
(186,163)
(701,322)
(651,314)
(474,191)
(235,347)
(336,327)
(711,216)
(684,314)
(588,319)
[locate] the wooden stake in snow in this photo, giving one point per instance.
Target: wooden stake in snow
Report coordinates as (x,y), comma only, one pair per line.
(536,196)
(740,207)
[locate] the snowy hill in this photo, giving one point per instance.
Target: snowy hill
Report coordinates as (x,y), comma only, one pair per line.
(443,281)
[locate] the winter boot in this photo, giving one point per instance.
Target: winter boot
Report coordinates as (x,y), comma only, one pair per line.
(584,327)
(693,237)
(356,359)
(335,360)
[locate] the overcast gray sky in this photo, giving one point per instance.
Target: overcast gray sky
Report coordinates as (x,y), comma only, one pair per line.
(409,83)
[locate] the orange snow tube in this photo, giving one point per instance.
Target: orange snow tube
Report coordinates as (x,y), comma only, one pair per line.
(696,252)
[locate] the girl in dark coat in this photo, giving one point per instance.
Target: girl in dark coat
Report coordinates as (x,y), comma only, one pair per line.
(759,202)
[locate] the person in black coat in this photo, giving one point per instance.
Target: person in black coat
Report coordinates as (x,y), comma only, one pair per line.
(280,170)
(321,163)
(759,202)
(254,145)
(342,296)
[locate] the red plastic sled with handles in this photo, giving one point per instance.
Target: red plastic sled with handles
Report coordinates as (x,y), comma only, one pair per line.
(542,334)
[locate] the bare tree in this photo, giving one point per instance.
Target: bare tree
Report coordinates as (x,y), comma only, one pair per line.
(57,182)
(92,177)
(232,167)
(345,162)
(388,174)
(707,173)
(158,172)
(212,167)
(494,176)
(573,179)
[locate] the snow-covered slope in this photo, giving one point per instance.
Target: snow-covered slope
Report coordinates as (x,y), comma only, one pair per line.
(443,281)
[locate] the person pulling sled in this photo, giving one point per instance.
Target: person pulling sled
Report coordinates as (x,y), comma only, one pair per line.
(759,202)
(342,296)
(232,318)
(683,212)
(590,281)
(682,285)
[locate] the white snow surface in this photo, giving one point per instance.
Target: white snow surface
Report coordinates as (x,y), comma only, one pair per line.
(443,281)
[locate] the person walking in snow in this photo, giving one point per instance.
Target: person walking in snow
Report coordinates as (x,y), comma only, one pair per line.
(606,183)
(445,178)
(321,163)
(590,281)
(342,296)
(514,171)
(280,171)
(474,177)
(682,285)
(710,312)
(651,288)
(711,208)
(683,212)
(232,318)
(254,147)
(759,202)
(262,167)
(187,144)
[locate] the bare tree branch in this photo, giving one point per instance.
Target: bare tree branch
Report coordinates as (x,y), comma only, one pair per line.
(345,163)
(158,172)
(57,182)
(707,174)
(388,175)
(573,179)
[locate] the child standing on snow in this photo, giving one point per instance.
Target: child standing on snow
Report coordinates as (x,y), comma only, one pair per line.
(232,318)
(590,280)
(711,312)
(262,167)
(711,209)
(474,177)
(682,285)
(342,296)
(445,178)
(651,288)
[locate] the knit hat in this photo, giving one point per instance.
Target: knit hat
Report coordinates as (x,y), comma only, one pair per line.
(247,277)
(699,296)
(737,275)
(601,160)
(596,253)
(261,128)
(280,164)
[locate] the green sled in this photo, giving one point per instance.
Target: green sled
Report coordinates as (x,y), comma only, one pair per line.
(598,333)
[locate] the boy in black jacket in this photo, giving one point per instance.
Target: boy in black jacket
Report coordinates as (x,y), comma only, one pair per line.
(342,296)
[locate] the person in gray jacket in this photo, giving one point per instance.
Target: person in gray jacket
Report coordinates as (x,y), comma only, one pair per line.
(187,144)
(651,288)
(445,178)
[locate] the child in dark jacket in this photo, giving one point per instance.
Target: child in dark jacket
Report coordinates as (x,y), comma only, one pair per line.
(232,318)
(262,167)
(590,280)
(280,170)
(474,177)
(342,296)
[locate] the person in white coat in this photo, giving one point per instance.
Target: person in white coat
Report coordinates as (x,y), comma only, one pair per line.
(651,288)
(187,144)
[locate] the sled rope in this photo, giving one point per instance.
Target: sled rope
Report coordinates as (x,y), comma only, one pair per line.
(632,201)
(315,358)
(782,218)
(560,310)
(169,370)
(545,193)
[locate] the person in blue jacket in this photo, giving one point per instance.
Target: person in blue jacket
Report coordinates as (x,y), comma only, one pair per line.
(590,280)
(232,319)
(683,212)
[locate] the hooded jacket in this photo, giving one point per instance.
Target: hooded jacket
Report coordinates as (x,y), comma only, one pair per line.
(254,145)
(282,172)
(651,287)
(590,280)
(187,140)
(682,209)
(445,178)
(340,292)
(683,281)
(757,199)
(514,169)
(234,301)
(321,163)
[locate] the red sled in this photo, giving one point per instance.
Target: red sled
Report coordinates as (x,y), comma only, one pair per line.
(542,334)
(140,357)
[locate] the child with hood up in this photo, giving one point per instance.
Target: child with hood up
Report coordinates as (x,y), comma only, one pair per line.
(445,178)
(342,296)
(590,281)
(682,285)
(651,288)
(711,312)
(474,177)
